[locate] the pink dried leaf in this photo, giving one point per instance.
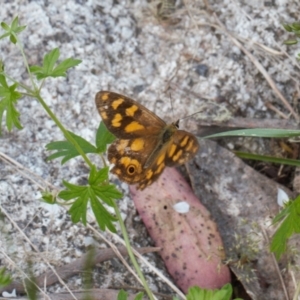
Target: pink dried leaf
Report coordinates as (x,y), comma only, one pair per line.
(192,248)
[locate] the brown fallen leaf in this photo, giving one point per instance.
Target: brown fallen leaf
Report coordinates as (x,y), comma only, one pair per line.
(190,243)
(243,203)
(73,268)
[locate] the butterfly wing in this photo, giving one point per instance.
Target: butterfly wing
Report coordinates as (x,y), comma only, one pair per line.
(126,118)
(129,158)
(145,144)
(130,165)
(181,147)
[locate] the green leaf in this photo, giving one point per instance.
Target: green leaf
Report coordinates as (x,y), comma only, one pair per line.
(266,158)
(290,42)
(122,295)
(5,26)
(103,217)
(8,100)
(290,225)
(81,195)
(103,138)
(196,293)
(107,193)
(50,67)
(48,197)
(50,60)
(79,207)
(61,69)
(1,66)
(4,35)
(5,279)
(14,23)
(97,177)
(30,283)
(287,27)
(259,132)
(67,150)
(139,296)
(295,26)
(13,30)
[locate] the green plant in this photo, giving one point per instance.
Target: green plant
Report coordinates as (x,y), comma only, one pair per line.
(224,293)
(295,29)
(5,279)
(98,191)
(289,216)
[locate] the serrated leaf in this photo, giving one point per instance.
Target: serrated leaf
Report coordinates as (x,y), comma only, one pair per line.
(50,69)
(107,193)
(103,138)
(81,195)
(196,293)
(103,217)
(35,69)
(9,97)
(282,214)
(72,192)
(3,83)
(50,59)
(61,69)
(67,150)
(290,225)
(97,177)
(79,208)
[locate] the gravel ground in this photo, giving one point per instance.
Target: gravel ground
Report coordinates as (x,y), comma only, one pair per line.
(126,47)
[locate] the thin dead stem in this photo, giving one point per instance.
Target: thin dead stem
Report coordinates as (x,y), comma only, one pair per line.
(260,68)
(266,237)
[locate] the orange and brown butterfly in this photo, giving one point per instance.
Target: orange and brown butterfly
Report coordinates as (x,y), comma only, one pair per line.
(145,144)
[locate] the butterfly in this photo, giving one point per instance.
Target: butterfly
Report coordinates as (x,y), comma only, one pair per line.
(145,144)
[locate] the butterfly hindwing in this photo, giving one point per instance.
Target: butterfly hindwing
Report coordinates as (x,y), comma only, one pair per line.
(129,158)
(181,149)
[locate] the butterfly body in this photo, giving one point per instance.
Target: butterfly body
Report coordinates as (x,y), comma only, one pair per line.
(145,144)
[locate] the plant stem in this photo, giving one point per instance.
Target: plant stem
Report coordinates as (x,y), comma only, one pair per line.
(62,128)
(130,253)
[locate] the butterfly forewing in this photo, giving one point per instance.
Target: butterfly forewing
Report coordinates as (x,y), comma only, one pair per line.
(125,117)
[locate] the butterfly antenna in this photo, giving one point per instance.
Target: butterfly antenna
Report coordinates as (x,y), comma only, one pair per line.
(188,116)
(171,104)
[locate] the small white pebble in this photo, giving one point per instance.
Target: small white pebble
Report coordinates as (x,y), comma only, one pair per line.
(8,295)
(182,207)
(282,197)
